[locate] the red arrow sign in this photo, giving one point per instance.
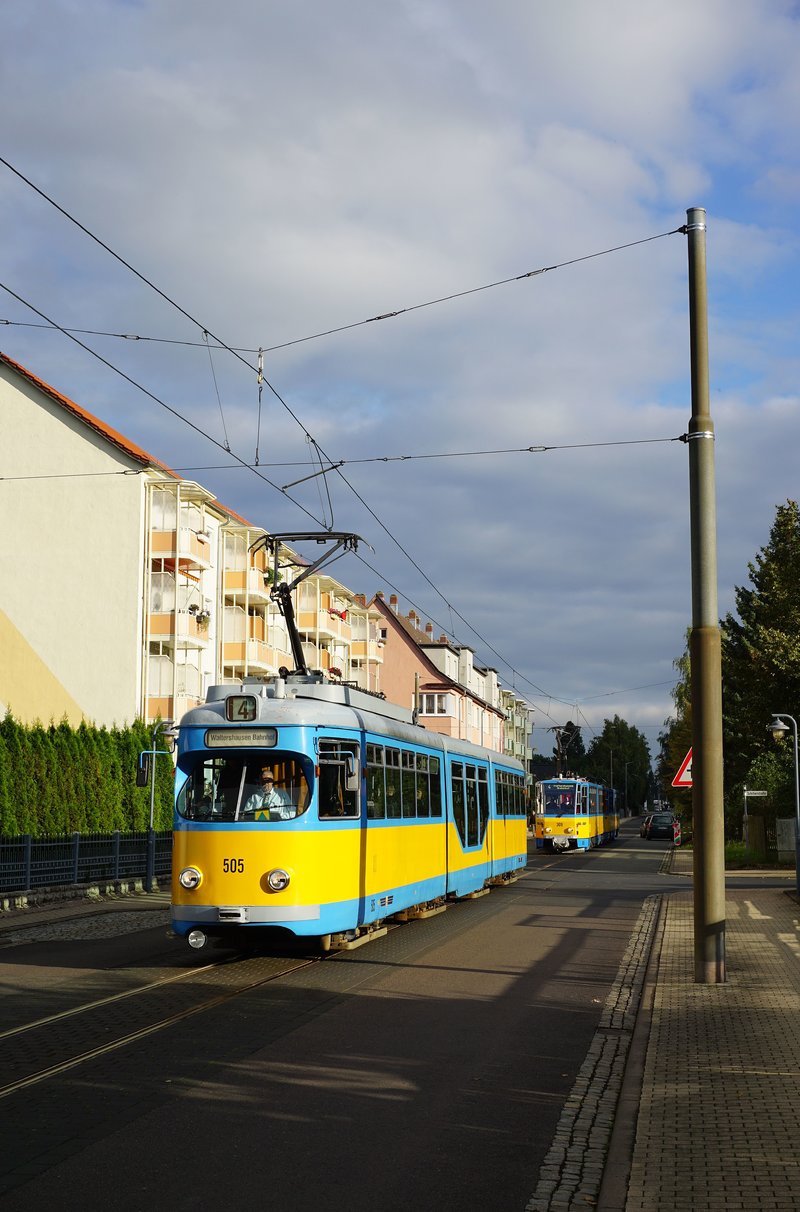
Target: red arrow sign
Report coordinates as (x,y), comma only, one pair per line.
(684,776)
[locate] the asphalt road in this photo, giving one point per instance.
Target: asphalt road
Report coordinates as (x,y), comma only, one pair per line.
(426,1070)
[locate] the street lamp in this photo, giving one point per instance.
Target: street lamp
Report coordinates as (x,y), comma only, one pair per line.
(779,728)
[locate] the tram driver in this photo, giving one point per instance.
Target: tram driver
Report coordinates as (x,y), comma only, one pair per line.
(269,803)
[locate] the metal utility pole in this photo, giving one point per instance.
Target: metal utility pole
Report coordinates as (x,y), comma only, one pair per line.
(705,645)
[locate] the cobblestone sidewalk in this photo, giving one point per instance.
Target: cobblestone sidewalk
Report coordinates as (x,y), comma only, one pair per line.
(719,1118)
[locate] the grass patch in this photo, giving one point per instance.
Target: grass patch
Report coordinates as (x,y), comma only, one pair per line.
(739,857)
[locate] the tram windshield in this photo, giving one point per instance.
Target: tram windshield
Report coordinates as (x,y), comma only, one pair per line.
(559,801)
(274,787)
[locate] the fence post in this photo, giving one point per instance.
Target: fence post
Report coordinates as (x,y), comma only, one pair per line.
(76,843)
(115,850)
(27,853)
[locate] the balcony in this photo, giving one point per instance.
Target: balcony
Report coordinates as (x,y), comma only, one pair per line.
(255,656)
(246,583)
(182,630)
(366,650)
(166,707)
(324,624)
(188,548)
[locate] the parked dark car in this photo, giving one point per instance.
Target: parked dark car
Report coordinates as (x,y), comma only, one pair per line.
(660,825)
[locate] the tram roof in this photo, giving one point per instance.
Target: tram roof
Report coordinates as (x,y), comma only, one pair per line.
(307,699)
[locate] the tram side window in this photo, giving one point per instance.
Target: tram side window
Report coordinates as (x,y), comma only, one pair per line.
(393,784)
(435,786)
(376,788)
(423,788)
(459,801)
(409,787)
(473,822)
(339,779)
(483,801)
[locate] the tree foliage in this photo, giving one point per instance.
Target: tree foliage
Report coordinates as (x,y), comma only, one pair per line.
(760,677)
(619,756)
(59,780)
(676,739)
(761,647)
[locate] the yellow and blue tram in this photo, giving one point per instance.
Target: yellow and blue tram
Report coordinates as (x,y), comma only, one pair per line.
(318,809)
(575,814)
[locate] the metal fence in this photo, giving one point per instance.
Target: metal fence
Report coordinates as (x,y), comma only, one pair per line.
(29,863)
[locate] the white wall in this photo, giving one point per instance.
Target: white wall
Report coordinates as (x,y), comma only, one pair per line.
(70,563)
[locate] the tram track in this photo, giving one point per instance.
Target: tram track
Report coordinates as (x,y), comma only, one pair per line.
(70,1036)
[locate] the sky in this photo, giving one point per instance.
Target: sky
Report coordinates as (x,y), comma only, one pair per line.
(268,172)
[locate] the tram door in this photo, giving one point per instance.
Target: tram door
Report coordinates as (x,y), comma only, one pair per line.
(469,857)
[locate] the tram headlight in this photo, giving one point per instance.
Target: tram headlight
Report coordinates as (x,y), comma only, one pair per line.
(190,878)
(278,879)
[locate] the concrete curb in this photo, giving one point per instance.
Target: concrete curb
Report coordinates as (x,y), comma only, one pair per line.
(41,898)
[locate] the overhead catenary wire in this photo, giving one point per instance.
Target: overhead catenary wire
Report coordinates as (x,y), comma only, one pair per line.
(256,471)
(327,332)
(157,399)
(202,432)
(224,345)
(227,444)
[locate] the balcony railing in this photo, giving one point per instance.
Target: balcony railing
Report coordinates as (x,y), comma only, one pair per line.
(183,629)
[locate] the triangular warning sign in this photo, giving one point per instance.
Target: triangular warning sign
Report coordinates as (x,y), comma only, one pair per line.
(684,776)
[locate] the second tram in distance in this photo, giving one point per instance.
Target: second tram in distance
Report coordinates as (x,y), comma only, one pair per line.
(575,814)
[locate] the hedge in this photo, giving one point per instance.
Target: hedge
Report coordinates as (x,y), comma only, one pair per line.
(57,779)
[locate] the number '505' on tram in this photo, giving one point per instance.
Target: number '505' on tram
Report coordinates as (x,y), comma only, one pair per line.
(313,808)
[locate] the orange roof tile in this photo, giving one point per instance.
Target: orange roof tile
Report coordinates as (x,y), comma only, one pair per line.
(111,435)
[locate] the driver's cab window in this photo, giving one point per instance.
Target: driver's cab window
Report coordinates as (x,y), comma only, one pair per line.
(339,779)
(271,787)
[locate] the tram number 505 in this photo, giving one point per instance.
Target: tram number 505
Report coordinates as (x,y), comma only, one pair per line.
(230,865)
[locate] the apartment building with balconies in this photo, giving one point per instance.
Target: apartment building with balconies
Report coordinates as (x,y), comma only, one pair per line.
(452,695)
(128,590)
(518,727)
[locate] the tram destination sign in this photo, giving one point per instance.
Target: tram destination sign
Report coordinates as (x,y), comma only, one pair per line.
(241,738)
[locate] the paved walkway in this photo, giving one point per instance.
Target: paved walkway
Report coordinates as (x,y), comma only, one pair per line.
(689,1097)
(718,1123)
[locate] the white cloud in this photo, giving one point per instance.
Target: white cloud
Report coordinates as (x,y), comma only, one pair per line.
(280,170)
